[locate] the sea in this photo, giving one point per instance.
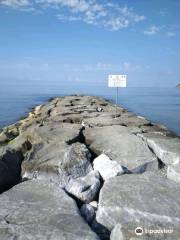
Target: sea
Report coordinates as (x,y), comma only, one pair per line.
(159,105)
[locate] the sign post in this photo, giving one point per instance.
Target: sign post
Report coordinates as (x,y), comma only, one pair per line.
(117,81)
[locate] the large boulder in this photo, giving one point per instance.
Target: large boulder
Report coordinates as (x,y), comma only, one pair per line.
(103,119)
(44,159)
(106,167)
(8,133)
(40,210)
(156,128)
(144,200)
(85,188)
(124,118)
(76,161)
(167,149)
(59,162)
(130,119)
(173,172)
(53,132)
(117,143)
(49,144)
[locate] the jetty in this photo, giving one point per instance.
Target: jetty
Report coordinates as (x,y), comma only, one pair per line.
(71,169)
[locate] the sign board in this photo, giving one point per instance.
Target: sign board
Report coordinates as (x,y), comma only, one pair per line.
(117,80)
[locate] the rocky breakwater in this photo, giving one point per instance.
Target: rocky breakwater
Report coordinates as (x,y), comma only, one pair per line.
(71,170)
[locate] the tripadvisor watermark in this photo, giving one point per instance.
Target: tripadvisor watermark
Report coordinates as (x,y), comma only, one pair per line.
(140,231)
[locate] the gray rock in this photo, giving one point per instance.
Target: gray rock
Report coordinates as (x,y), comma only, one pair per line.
(167,149)
(155,129)
(3,138)
(94,204)
(88,212)
(108,119)
(58,162)
(76,162)
(104,119)
(85,188)
(36,210)
(143,200)
(45,159)
(8,133)
(130,119)
(42,175)
(173,172)
(117,233)
(134,130)
(49,145)
(106,167)
(127,149)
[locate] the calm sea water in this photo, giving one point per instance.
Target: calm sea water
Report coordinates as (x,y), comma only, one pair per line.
(160,105)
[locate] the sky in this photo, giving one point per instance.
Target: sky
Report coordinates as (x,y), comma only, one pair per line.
(83,41)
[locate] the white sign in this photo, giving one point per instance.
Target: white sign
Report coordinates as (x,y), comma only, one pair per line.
(117,81)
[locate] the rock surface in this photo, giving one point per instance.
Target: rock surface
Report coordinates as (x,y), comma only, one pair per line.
(94,204)
(58,144)
(76,162)
(85,188)
(121,146)
(173,172)
(143,200)
(40,210)
(167,149)
(106,167)
(60,160)
(117,233)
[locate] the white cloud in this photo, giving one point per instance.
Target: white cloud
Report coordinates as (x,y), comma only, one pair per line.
(76,6)
(163,30)
(152,30)
(171,34)
(111,16)
(104,67)
(15,3)
(116,23)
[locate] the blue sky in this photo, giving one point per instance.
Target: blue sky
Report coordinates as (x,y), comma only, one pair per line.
(84,41)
